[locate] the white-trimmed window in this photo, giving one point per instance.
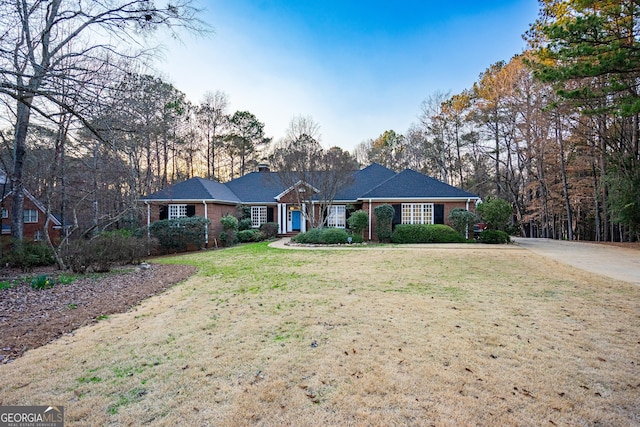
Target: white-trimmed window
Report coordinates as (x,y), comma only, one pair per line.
(5,213)
(337,216)
(38,236)
(417,213)
(177,211)
(30,215)
(258,216)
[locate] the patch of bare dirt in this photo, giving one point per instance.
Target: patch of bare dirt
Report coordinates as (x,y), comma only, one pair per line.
(30,318)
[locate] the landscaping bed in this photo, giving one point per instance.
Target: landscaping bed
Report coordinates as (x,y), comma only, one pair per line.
(32,317)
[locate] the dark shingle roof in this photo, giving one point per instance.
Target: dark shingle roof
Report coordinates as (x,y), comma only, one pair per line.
(374,181)
(195,189)
(257,187)
(364,180)
(412,184)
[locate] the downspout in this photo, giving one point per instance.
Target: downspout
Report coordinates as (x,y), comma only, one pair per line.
(466,231)
(369,219)
(206,229)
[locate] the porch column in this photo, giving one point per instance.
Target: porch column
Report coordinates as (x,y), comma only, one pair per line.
(303,226)
(282,218)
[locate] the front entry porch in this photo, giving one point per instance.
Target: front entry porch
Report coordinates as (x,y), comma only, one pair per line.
(291,219)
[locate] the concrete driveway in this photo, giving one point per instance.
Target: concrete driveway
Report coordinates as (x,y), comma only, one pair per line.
(610,261)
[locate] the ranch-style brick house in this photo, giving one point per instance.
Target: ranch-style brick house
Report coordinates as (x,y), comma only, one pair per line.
(416,198)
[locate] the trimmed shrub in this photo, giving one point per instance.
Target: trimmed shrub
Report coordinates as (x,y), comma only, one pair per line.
(494,237)
(441,233)
(178,235)
(270,229)
(411,233)
(311,236)
(384,219)
(322,236)
(358,221)
(332,236)
(425,233)
(29,255)
(253,235)
(228,236)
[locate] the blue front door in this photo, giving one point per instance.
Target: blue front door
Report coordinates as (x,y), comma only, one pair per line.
(295,220)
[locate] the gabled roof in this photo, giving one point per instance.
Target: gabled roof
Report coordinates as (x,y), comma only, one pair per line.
(373,182)
(363,181)
(257,187)
(7,192)
(195,189)
(410,184)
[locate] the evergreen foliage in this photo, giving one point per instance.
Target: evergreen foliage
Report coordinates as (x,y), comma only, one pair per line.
(425,233)
(178,235)
(496,213)
(384,217)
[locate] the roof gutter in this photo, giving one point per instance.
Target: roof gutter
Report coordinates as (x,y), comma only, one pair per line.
(370,219)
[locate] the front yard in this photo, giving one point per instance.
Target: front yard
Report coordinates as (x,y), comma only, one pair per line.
(369,336)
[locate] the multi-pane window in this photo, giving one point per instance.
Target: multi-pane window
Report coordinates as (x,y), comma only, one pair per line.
(30,215)
(38,235)
(177,211)
(337,216)
(258,216)
(5,213)
(417,213)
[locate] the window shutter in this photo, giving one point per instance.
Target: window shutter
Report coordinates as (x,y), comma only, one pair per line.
(397,216)
(438,214)
(164,212)
(191,210)
(269,214)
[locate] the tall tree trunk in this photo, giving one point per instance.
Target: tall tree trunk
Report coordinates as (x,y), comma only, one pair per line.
(603,167)
(565,186)
(596,198)
(17,186)
(458,153)
(497,138)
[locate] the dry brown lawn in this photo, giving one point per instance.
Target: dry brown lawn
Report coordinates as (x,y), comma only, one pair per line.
(356,337)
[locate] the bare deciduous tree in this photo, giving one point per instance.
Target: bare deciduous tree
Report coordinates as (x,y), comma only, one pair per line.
(45,43)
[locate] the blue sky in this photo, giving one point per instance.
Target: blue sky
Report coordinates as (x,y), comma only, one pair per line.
(357,68)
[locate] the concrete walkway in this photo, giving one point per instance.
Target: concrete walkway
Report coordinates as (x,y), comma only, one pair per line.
(610,261)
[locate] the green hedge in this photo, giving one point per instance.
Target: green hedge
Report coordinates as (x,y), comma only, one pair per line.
(326,236)
(494,237)
(253,235)
(178,235)
(28,255)
(425,233)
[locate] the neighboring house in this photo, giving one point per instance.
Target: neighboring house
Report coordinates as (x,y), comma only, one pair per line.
(35,216)
(416,198)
